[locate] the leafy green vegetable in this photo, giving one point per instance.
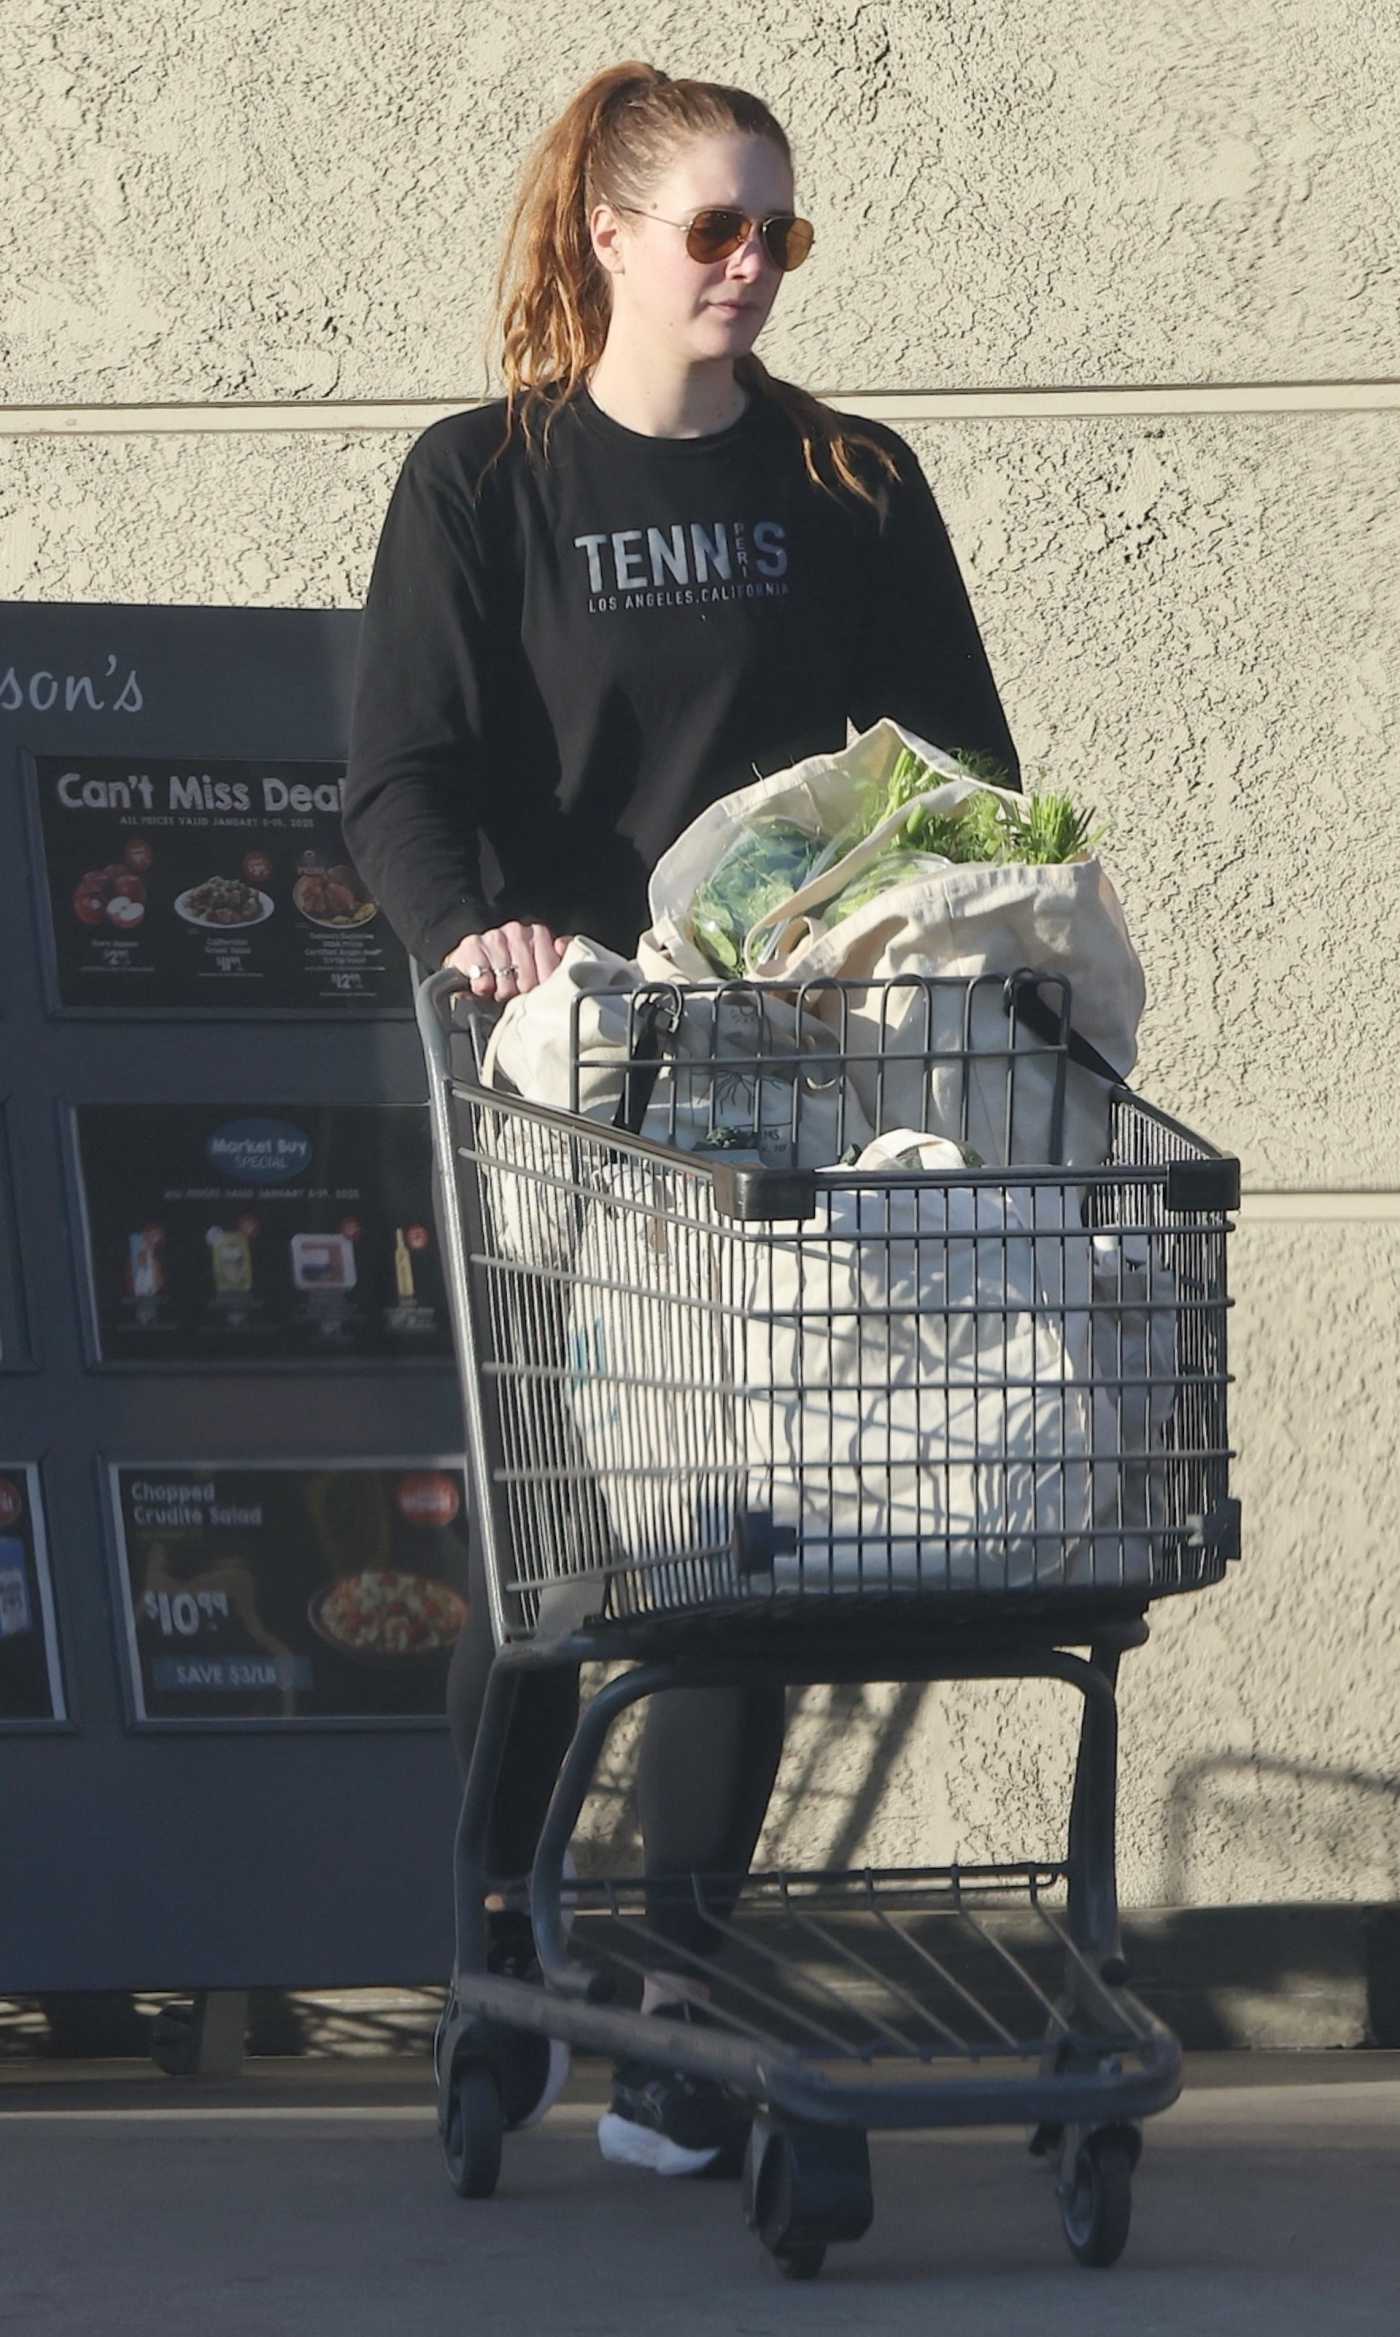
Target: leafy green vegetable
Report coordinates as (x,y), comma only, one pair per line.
(932,831)
(911,776)
(1036,830)
(1046,830)
(893,867)
(768,860)
(975,766)
(981,821)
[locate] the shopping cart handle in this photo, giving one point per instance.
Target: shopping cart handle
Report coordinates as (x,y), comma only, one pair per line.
(436,990)
(435,1003)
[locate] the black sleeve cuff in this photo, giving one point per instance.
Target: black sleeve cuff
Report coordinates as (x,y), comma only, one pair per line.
(436,941)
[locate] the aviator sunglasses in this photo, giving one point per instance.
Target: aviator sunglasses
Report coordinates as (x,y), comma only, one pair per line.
(714,235)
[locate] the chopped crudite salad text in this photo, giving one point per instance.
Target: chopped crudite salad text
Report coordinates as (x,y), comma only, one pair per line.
(773,856)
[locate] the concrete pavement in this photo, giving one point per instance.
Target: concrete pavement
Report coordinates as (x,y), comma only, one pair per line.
(310,2199)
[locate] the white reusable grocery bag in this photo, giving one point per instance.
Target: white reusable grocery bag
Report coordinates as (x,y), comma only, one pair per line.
(1134,1349)
(793,1114)
(901,1383)
(531,1047)
(929,1424)
(531,1171)
(650,1345)
(964,922)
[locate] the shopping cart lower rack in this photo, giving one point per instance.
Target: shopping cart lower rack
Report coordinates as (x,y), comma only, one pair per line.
(762,1384)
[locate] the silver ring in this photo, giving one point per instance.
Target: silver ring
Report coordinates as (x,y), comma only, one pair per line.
(477,973)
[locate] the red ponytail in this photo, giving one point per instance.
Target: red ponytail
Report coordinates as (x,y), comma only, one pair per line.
(611,144)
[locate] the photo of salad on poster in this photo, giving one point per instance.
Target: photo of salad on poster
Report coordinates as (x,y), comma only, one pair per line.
(253,1233)
(297,1592)
(207,888)
(31,1682)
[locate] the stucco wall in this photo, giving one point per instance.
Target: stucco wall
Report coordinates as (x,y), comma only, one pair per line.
(1194,615)
(241,199)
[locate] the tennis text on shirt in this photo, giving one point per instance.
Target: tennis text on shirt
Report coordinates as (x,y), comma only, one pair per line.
(685,564)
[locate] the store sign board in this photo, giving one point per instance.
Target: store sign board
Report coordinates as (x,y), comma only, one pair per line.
(290,1592)
(257,1233)
(206,887)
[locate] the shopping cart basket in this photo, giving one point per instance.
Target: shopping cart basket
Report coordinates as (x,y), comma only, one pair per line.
(735,1417)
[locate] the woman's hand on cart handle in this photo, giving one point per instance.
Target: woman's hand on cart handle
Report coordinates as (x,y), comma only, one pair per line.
(507,960)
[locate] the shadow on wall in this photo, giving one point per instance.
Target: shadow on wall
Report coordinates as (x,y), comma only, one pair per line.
(819,1720)
(1359,1834)
(849,1707)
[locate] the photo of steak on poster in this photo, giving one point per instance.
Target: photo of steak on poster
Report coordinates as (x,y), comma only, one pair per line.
(256,1233)
(299,1591)
(207,888)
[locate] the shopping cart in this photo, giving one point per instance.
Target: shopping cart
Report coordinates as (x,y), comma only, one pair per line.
(679,1467)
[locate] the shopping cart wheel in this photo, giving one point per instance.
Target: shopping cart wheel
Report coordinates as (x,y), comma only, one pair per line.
(472,2128)
(1096,2196)
(804,2187)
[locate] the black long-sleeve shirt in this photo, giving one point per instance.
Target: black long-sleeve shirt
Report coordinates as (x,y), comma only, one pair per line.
(563,661)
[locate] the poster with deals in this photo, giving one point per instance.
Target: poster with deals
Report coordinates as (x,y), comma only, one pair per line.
(260,1233)
(208,888)
(31,1680)
(297,1592)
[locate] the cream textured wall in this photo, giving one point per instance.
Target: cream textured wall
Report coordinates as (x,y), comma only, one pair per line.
(246,199)
(1194,616)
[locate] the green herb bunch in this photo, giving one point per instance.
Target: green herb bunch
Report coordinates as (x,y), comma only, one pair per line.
(1036,830)
(773,858)
(1046,831)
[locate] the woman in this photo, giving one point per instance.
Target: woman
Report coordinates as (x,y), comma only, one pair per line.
(597,605)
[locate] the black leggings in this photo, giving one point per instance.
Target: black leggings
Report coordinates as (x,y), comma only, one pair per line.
(708,1760)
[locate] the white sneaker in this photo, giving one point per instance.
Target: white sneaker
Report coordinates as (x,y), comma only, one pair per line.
(673,2124)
